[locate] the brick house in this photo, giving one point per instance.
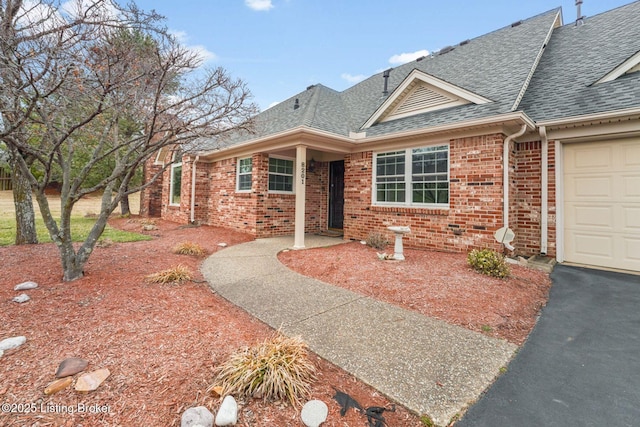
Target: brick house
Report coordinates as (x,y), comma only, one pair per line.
(535,127)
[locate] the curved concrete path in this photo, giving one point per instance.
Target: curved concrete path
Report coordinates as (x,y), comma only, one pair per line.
(425,364)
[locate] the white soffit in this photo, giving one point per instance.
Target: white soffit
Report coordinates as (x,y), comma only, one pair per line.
(631,65)
(419,93)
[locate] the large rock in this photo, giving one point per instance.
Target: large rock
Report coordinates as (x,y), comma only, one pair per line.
(21,298)
(228,413)
(198,416)
(58,385)
(13,342)
(92,380)
(71,366)
(314,413)
(25,286)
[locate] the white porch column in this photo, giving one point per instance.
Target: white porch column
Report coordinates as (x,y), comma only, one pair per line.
(300,189)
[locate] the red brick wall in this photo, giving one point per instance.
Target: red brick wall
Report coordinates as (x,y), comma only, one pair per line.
(551,167)
(475,201)
(528,199)
(151,197)
(257,212)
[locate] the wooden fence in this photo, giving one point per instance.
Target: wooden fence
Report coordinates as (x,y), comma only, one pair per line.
(5,180)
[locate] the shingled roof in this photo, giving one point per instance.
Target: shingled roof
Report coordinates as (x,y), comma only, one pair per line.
(535,66)
(564,84)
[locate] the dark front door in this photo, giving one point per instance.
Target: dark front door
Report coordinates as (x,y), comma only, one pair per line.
(336,194)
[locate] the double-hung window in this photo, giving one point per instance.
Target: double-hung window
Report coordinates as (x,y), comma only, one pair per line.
(280,175)
(175,184)
(244,174)
(412,177)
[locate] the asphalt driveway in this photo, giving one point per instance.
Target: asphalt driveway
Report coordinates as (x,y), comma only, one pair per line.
(580,365)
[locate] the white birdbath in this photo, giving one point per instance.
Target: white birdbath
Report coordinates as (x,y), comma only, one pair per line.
(399,231)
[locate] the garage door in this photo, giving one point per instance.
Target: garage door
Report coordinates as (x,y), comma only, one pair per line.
(602,203)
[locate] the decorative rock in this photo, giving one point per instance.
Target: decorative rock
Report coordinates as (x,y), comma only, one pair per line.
(92,380)
(314,413)
(25,286)
(58,385)
(21,298)
(198,416)
(9,343)
(228,413)
(71,366)
(222,245)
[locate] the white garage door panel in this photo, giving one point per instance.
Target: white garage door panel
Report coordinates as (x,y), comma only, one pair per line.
(631,219)
(631,185)
(602,203)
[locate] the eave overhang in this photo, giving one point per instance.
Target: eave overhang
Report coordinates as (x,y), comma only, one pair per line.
(328,142)
(613,123)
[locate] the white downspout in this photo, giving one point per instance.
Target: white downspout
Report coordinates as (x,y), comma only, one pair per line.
(544,202)
(193,190)
(505,179)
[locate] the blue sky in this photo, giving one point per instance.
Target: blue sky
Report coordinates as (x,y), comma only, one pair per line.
(279,47)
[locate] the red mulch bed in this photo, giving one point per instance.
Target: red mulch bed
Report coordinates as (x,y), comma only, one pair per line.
(436,284)
(160,342)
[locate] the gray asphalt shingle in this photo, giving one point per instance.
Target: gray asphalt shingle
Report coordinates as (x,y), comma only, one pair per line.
(495,66)
(577,57)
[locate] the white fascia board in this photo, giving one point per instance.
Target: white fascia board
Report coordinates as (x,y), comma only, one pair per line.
(431,80)
(609,115)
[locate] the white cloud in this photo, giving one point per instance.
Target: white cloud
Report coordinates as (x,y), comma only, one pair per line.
(183,38)
(259,5)
(403,58)
(353,79)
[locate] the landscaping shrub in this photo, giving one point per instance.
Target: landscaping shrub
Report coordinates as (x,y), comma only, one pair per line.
(178,274)
(377,240)
(276,369)
(488,262)
(189,248)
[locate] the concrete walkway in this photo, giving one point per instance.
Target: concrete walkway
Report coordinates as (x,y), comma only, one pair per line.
(425,364)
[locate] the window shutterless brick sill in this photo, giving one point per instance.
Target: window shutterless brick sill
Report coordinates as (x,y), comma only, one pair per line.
(281,195)
(410,210)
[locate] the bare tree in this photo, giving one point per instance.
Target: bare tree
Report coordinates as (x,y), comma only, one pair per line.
(84,97)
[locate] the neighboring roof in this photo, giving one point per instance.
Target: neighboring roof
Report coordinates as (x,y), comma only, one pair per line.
(535,66)
(565,83)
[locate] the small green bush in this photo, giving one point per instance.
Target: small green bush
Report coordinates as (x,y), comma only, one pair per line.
(377,240)
(488,262)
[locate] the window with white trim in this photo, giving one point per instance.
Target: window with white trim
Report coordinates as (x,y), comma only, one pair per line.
(175,187)
(243,180)
(280,175)
(412,177)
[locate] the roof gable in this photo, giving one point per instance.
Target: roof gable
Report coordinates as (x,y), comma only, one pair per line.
(419,93)
(629,66)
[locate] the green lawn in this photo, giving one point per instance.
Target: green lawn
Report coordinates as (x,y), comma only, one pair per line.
(81,220)
(80,229)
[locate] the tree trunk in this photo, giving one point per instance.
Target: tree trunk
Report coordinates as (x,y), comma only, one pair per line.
(71,267)
(125,209)
(23,201)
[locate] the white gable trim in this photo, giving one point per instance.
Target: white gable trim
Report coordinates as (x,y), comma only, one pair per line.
(455,94)
(630,65)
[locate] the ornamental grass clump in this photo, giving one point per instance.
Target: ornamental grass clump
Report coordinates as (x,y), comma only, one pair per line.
(488,262)
(189,248)
(377,240)
(178,274)
(276,369)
